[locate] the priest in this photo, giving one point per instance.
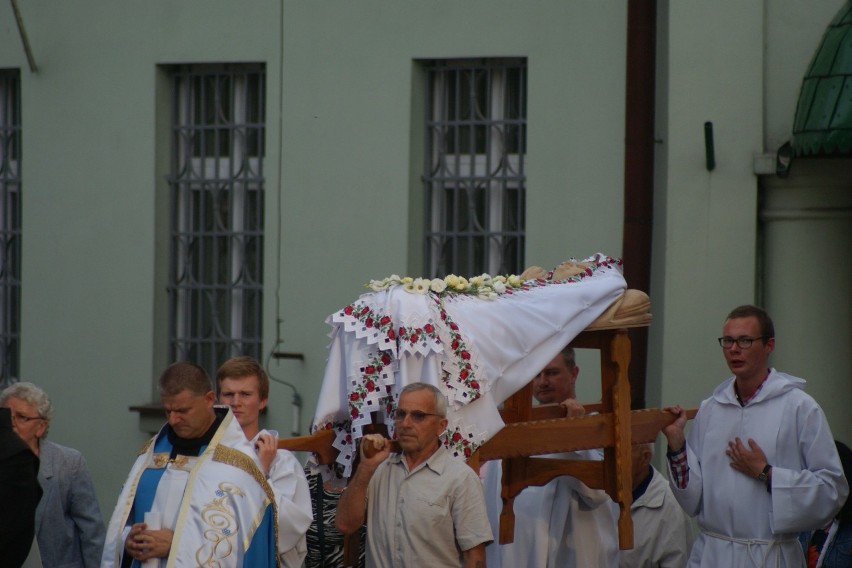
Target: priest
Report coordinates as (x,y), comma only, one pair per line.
(196,494)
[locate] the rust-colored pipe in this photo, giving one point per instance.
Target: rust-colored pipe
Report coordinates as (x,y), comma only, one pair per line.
(639,173)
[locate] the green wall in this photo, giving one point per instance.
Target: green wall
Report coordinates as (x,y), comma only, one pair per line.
(344,147)
(342,128)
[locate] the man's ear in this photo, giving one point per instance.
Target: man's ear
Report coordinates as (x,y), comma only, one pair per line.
(575,372)
(210,398)
(263,403)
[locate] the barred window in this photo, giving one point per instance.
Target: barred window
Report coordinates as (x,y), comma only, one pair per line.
(217,201)
(10,226)
(475,182)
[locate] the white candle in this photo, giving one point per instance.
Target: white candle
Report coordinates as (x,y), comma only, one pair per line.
(153,521)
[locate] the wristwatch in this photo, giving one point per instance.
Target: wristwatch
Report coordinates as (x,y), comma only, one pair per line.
(764,475)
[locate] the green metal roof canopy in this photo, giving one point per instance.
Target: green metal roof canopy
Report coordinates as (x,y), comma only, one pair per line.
(823,124)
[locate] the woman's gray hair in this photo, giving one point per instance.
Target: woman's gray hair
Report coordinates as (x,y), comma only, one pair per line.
(31,394)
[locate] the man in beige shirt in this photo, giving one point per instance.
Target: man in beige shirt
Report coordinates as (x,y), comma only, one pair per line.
(423,507)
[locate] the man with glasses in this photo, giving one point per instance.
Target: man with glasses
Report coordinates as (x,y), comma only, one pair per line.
(423,507)
(759,464)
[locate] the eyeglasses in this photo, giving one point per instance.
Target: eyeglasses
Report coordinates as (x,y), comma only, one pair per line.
(24,419)
(742,342)
(417,416)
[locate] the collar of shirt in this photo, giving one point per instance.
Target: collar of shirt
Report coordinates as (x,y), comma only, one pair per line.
(744,401)
(436,462)
(642,487)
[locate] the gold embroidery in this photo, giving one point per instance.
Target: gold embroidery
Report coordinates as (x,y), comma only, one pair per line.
(238,459)
(221,538)
(180,461)
(146,446)
(223,526)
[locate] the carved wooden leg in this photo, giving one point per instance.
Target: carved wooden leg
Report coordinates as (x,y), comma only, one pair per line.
(616,385)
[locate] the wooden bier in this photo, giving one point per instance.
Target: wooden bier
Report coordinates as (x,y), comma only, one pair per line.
(536,430)
(532,431)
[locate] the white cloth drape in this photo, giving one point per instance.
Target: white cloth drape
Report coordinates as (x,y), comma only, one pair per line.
(477,351)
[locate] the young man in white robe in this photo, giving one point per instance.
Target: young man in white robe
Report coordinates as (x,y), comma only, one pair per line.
(759,464)
(196,495)
(563,524)
(243,385)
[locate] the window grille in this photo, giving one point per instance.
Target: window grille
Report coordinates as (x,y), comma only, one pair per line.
(217,201)
(10,226)
(475,181)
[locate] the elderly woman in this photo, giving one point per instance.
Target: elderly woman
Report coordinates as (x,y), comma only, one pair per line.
(69,526)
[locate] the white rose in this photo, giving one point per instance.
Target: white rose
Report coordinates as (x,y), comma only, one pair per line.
(421,285)
(437,285)
(499,287)
(485,292)
(379,285)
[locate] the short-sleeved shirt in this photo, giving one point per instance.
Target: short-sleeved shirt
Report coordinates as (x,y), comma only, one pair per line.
(424,517)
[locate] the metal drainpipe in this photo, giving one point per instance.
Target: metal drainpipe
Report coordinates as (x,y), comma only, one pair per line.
(639,173)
